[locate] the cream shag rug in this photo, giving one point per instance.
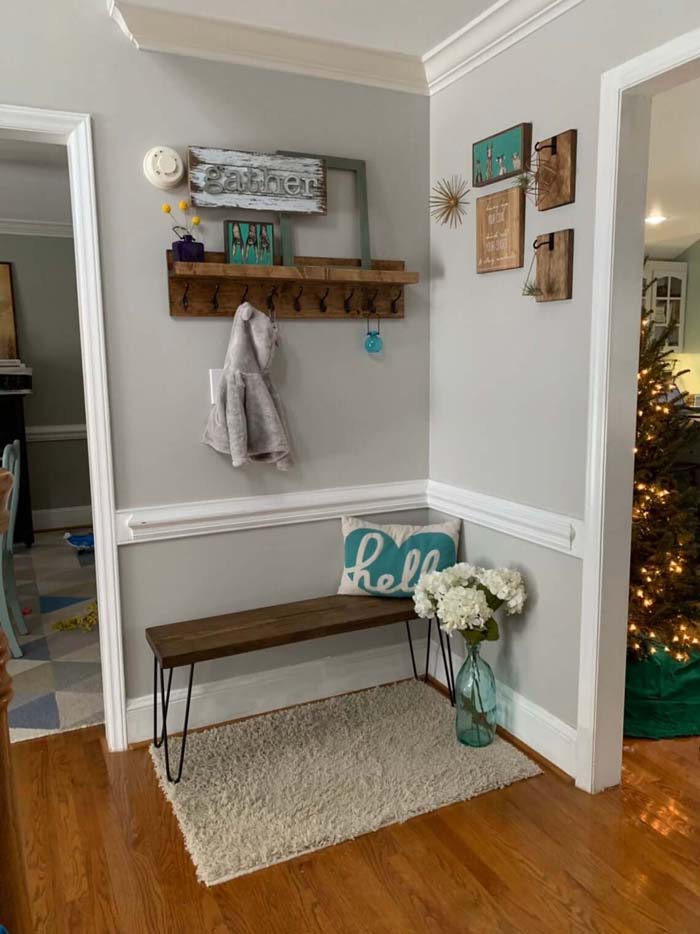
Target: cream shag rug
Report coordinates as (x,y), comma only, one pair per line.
(264,790)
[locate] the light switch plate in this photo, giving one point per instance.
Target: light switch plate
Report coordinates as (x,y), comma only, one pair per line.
(214,380)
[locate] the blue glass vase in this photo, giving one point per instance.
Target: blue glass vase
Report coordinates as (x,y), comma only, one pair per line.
(373,342)
(475,700)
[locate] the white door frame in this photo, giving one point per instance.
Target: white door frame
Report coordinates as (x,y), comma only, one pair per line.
(625,104)
(74,131)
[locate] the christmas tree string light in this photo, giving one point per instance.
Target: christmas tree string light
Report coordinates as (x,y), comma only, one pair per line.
(664,601)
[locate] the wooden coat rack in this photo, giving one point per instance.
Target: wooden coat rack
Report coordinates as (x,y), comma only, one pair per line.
(313,289)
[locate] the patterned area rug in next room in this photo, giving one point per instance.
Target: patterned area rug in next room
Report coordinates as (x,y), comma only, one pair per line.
(57,683)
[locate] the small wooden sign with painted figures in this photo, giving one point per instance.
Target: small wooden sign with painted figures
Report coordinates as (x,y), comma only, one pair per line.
(249,243)
(500,230)
(257,181)
(501,155)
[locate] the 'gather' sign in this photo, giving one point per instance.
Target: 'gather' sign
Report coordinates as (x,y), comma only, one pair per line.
(261,181)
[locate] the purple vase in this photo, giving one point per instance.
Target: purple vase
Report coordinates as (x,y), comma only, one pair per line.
(188,250)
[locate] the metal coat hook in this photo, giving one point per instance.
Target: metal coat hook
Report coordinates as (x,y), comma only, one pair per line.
(245,294)
(215,297)
(271,299)
(322,301)
(539,241)
(551,146)
(371,306)
(347,302)
(395,300)
(184,301)
(297,299)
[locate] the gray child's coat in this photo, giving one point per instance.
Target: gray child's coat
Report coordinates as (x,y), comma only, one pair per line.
(246,420)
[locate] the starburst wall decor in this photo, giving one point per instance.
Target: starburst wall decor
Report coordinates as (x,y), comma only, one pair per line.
(448,200)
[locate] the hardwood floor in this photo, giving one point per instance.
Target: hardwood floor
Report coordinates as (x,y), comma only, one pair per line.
(104,854)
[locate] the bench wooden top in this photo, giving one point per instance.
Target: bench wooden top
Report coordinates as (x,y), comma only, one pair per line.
(199,640)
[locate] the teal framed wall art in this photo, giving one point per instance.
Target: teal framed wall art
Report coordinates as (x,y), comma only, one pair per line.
(501,155)
(250,243)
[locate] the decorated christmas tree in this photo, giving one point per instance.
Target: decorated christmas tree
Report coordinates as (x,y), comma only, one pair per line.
(664,609)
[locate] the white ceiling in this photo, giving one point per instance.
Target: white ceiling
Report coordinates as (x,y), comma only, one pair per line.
(413,27)
(673,189)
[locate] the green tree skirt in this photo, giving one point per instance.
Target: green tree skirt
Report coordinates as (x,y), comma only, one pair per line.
(662,697)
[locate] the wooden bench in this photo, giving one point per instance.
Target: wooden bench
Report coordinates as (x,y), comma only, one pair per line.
(199,640)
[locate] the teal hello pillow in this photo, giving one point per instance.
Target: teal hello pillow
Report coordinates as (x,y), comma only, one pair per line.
(388,560)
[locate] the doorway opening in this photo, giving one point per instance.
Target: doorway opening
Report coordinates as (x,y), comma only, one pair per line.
(58,578)
(628,95)
(49,583)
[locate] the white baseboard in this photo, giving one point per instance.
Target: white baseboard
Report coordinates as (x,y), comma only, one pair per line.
(66,517)
(538,728)
(533,725)
(56,432)
(245,695)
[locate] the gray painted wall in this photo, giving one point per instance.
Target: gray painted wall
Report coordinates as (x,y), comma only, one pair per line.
(31,191)
(534,655)
(509,377)
(241,570)
(353,419)
(46,307)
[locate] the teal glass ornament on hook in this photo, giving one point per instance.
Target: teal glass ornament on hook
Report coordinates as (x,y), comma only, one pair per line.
(373,341)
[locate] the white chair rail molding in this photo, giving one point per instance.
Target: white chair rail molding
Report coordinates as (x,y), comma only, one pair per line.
(182,520)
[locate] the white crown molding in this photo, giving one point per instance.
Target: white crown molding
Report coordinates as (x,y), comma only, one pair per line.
(183,520)
(22,228)
(495,30)
(242,44)
(539,526)
(275,688)
(56,432)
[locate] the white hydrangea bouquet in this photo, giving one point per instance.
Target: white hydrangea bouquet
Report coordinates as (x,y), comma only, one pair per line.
(464,598)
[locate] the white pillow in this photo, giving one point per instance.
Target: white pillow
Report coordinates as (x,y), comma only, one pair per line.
(387,560)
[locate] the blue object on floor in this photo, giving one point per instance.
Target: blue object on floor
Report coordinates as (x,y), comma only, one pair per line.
(80,542)
(51,604)
(39,714)
(37,649)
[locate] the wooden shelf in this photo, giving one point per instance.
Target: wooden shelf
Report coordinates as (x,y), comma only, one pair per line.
(336,274)
(215,288)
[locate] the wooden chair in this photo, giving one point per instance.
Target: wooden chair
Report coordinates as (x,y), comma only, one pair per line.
(9,603)
(14,904)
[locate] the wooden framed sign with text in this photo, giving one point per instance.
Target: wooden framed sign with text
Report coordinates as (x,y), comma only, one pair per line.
(500,230)
(259,181)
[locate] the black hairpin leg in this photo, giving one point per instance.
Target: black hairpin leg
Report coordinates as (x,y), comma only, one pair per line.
(410,645)
(427,651)
(158,740)
(450,686)
(164,704)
